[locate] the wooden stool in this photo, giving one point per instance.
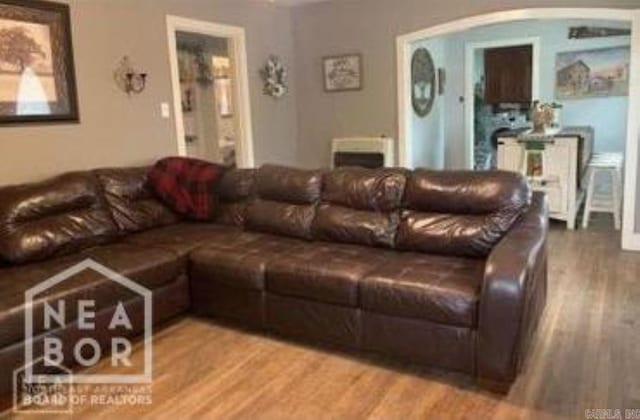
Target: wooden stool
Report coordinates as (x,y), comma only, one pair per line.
(611,201)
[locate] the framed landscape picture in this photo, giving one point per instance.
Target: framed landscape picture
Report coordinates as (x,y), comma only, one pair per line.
(342,72)
(37,77)
(593,73)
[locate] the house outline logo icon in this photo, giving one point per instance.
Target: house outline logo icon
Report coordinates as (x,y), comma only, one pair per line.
(64,377)
(80,378)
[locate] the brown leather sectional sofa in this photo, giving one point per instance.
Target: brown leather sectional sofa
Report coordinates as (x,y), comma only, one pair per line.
(447,269)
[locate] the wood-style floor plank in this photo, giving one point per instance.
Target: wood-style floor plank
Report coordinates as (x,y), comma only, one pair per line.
(586,355)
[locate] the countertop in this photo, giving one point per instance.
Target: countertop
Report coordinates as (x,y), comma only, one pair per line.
(569,131)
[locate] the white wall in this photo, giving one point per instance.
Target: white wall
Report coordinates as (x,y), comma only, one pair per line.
(428,132)
(607,115)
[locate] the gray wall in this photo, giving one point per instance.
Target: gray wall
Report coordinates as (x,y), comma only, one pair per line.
(370,27)
(119,130)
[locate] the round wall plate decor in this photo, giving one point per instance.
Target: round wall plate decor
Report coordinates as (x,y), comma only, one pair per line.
(423,82)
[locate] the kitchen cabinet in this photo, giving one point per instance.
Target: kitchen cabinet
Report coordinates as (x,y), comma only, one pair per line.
(554,164)
(508,73)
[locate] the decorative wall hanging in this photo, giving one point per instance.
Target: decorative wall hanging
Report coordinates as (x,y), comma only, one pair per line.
(592,73)
(423,82)
(584,32)
(342,72)
(274,75)
(128,79)
(37,77)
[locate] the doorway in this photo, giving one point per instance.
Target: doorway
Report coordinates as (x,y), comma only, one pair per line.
(210,89)
(482,123)
(630,236)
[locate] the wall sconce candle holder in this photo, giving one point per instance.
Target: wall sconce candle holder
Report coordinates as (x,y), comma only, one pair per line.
(128,79)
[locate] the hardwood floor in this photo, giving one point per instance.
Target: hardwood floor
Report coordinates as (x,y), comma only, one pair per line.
(587,355)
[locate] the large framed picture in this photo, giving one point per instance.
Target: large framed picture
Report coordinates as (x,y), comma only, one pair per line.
(342,72)
(37,77)
(593,73)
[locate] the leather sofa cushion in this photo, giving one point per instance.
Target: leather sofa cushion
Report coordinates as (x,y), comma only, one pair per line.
(359,206)
(183,238)
(365,189)
(450,234)
(460,213)
(149,267)
(236,185)
(52,218)
(436,288)
(288,185)
(286,200)
(281,218)
(466,192)
(131,201)
(341,224)
(234,193)
(232,214)
(323,272)
(241,266)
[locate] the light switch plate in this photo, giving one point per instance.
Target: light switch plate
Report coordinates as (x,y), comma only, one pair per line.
(164,110)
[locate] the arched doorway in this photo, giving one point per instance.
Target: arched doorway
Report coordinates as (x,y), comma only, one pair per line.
(630,238)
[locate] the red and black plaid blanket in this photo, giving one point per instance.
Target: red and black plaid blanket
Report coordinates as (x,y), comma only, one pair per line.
(186,185)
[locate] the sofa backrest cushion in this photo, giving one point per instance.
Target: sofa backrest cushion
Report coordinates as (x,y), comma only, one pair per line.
(360,206)
(285,201)
(132,203)
(54,217)
(365,189)
(462,213)
(234,191)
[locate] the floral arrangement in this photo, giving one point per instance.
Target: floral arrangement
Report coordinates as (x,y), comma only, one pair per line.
(544,115)
(274,75)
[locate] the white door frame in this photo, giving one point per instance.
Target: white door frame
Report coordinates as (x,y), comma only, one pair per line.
(242,105)
(469,65)
(630,239)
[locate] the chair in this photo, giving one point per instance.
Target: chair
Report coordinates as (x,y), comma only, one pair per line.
(611,200)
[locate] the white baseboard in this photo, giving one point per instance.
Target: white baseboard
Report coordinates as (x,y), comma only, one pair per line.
(631,242)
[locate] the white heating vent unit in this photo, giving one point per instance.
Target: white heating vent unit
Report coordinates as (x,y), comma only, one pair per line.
(370,152)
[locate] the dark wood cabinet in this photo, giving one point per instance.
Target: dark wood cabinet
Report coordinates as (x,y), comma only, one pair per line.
(508,72)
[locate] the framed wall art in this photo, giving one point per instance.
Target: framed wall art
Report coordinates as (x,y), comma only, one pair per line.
(342,72)
(593,73)
(37,77)
(423,82)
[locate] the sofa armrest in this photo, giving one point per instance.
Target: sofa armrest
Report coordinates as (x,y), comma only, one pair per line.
(512,298)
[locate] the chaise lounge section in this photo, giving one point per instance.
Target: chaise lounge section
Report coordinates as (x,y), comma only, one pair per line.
(447,269)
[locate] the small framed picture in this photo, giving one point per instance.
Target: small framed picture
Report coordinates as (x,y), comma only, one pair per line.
(37,77)
(342,72)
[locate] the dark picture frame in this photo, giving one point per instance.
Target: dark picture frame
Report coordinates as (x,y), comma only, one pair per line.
(342,73)
(37,75)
